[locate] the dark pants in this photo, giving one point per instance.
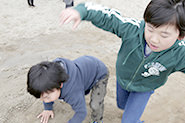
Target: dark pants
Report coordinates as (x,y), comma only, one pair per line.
(97,99)
(30,2)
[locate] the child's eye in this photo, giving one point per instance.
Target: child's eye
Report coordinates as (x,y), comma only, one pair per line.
(164,36)
(150,30)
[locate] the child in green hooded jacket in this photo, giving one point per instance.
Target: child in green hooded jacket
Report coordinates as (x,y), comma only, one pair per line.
(151,49)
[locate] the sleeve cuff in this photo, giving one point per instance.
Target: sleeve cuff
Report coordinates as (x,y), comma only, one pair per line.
(48,106)
(82,10)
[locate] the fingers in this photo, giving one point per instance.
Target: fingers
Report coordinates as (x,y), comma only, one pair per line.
(44,118)
(63,18)
(45,115)
(76,24)
(69,15)
(69,19)
(39,115)
(52,115)
(65,15)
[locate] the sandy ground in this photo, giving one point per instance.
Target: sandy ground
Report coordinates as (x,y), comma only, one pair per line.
(30,35)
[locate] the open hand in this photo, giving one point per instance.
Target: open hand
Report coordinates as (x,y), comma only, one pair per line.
(70,14)
(45,115)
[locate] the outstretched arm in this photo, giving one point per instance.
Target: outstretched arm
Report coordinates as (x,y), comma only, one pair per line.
(102,17)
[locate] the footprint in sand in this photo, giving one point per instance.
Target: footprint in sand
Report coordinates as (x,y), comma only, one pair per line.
(8,47)
(11,47)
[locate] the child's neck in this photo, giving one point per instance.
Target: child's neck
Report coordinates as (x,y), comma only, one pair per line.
(147,50)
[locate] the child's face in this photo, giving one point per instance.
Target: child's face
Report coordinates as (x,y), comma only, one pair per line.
(50,96)
(160,38)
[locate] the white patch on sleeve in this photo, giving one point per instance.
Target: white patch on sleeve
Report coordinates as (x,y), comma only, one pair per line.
(109,12)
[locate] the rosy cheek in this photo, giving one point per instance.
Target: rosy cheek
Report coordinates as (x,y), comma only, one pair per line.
(147,34)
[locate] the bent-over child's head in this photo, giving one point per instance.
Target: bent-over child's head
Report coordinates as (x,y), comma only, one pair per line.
(166,12)
(45,77)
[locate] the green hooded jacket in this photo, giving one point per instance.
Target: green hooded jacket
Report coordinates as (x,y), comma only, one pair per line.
(135,72)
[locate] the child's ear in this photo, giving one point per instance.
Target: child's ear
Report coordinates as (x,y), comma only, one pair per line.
(61,85)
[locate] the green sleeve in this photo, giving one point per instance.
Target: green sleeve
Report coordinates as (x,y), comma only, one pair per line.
(181,65)
(107,19)
(180,57)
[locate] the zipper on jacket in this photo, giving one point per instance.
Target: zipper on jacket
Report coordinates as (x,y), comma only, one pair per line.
(135,74)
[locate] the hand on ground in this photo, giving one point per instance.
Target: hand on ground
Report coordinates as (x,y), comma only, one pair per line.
(45,115)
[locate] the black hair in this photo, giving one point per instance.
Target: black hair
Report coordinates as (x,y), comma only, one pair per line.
(44,77)
(162,12)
